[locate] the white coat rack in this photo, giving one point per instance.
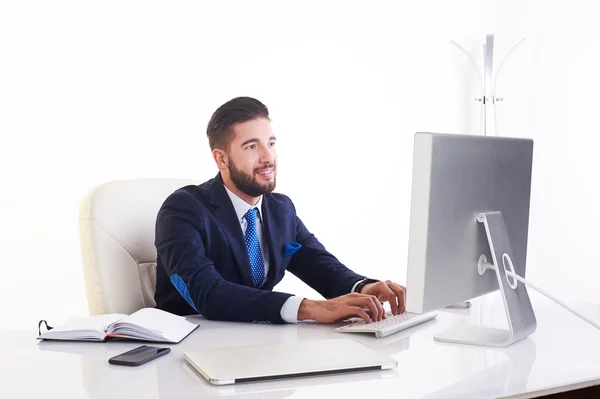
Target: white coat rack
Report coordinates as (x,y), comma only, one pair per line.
(487,82)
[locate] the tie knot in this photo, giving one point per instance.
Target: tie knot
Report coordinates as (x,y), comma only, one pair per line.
(250,216)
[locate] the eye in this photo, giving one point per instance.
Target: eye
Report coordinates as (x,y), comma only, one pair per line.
(251,147)
(272,144)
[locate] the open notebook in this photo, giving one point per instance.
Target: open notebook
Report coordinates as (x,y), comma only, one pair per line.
(148,324)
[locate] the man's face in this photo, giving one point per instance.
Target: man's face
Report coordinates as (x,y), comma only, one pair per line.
(252,158)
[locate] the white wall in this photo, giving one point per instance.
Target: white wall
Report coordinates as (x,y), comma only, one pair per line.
(95,91)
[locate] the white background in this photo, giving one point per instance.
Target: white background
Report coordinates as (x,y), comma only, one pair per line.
(97,91)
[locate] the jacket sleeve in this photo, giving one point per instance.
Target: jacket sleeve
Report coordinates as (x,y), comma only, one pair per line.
(318,268)
(180,246)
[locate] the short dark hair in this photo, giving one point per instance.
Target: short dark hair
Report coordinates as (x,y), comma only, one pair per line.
(237,110)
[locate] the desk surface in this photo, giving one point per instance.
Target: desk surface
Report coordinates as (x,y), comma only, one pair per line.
(563,354)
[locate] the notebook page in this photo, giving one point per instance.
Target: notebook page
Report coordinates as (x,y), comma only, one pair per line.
(96,322)
(80,327)
(172,327)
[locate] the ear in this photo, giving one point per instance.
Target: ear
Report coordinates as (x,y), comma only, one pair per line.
(220,158)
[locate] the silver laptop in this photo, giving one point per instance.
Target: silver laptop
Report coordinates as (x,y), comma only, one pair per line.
(285,386)
(233,365)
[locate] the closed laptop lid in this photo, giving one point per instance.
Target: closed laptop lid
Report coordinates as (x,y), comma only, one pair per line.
(232,365)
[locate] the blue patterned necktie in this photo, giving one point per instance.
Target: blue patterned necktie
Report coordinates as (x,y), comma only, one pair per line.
(253,246)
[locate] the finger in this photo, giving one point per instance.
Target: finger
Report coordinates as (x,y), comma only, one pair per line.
(380,308)
(358,311)
(390,295)
(400,292)
(367,301)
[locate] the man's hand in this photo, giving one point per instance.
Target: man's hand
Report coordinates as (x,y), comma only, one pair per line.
(388,291)
(343,307)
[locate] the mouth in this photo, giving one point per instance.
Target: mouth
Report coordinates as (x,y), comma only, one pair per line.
(266,173)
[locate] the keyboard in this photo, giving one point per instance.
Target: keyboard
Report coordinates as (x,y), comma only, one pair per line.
(392,324)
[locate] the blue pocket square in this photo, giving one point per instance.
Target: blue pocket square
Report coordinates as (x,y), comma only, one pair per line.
(291,249)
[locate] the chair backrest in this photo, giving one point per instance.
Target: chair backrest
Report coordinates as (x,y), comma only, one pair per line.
(116,230)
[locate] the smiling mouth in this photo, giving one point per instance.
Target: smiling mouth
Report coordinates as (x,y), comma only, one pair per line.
(266,172)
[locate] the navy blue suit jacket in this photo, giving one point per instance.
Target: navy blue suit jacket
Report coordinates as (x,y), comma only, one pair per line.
(203,265)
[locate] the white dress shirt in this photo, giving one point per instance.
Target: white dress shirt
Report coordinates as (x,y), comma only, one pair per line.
(289,310)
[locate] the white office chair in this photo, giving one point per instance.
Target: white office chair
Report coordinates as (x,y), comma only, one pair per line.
(116,231)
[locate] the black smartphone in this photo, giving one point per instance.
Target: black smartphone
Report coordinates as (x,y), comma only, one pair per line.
(140,355)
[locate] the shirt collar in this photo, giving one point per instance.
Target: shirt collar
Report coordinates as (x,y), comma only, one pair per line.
(241,206)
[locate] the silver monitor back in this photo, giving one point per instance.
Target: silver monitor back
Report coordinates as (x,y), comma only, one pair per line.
(455,178)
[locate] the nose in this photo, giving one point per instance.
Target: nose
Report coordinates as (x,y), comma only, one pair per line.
(267,154)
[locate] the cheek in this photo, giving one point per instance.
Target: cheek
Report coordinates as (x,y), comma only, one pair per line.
(247,163)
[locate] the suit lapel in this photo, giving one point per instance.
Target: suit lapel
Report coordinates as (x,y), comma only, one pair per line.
(225,215)
(273,232)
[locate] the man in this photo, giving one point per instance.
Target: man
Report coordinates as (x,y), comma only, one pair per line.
(223,245)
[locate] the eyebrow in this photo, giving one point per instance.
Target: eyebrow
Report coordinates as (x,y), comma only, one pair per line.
(256,141)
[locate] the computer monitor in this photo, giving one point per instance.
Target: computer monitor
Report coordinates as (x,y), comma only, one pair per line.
(470,212)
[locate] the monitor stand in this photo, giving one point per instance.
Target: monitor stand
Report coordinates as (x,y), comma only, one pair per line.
(521,318)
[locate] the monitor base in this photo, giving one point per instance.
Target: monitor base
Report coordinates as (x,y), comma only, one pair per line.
(478,336)
(521,318)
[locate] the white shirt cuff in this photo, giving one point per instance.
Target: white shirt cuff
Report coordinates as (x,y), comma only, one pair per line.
(289,310)
(354,286)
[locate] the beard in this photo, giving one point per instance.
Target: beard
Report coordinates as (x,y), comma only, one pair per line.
(247,183)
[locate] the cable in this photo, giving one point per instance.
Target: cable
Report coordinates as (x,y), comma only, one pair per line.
(552,297)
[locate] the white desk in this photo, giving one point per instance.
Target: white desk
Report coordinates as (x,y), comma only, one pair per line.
(563,354)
